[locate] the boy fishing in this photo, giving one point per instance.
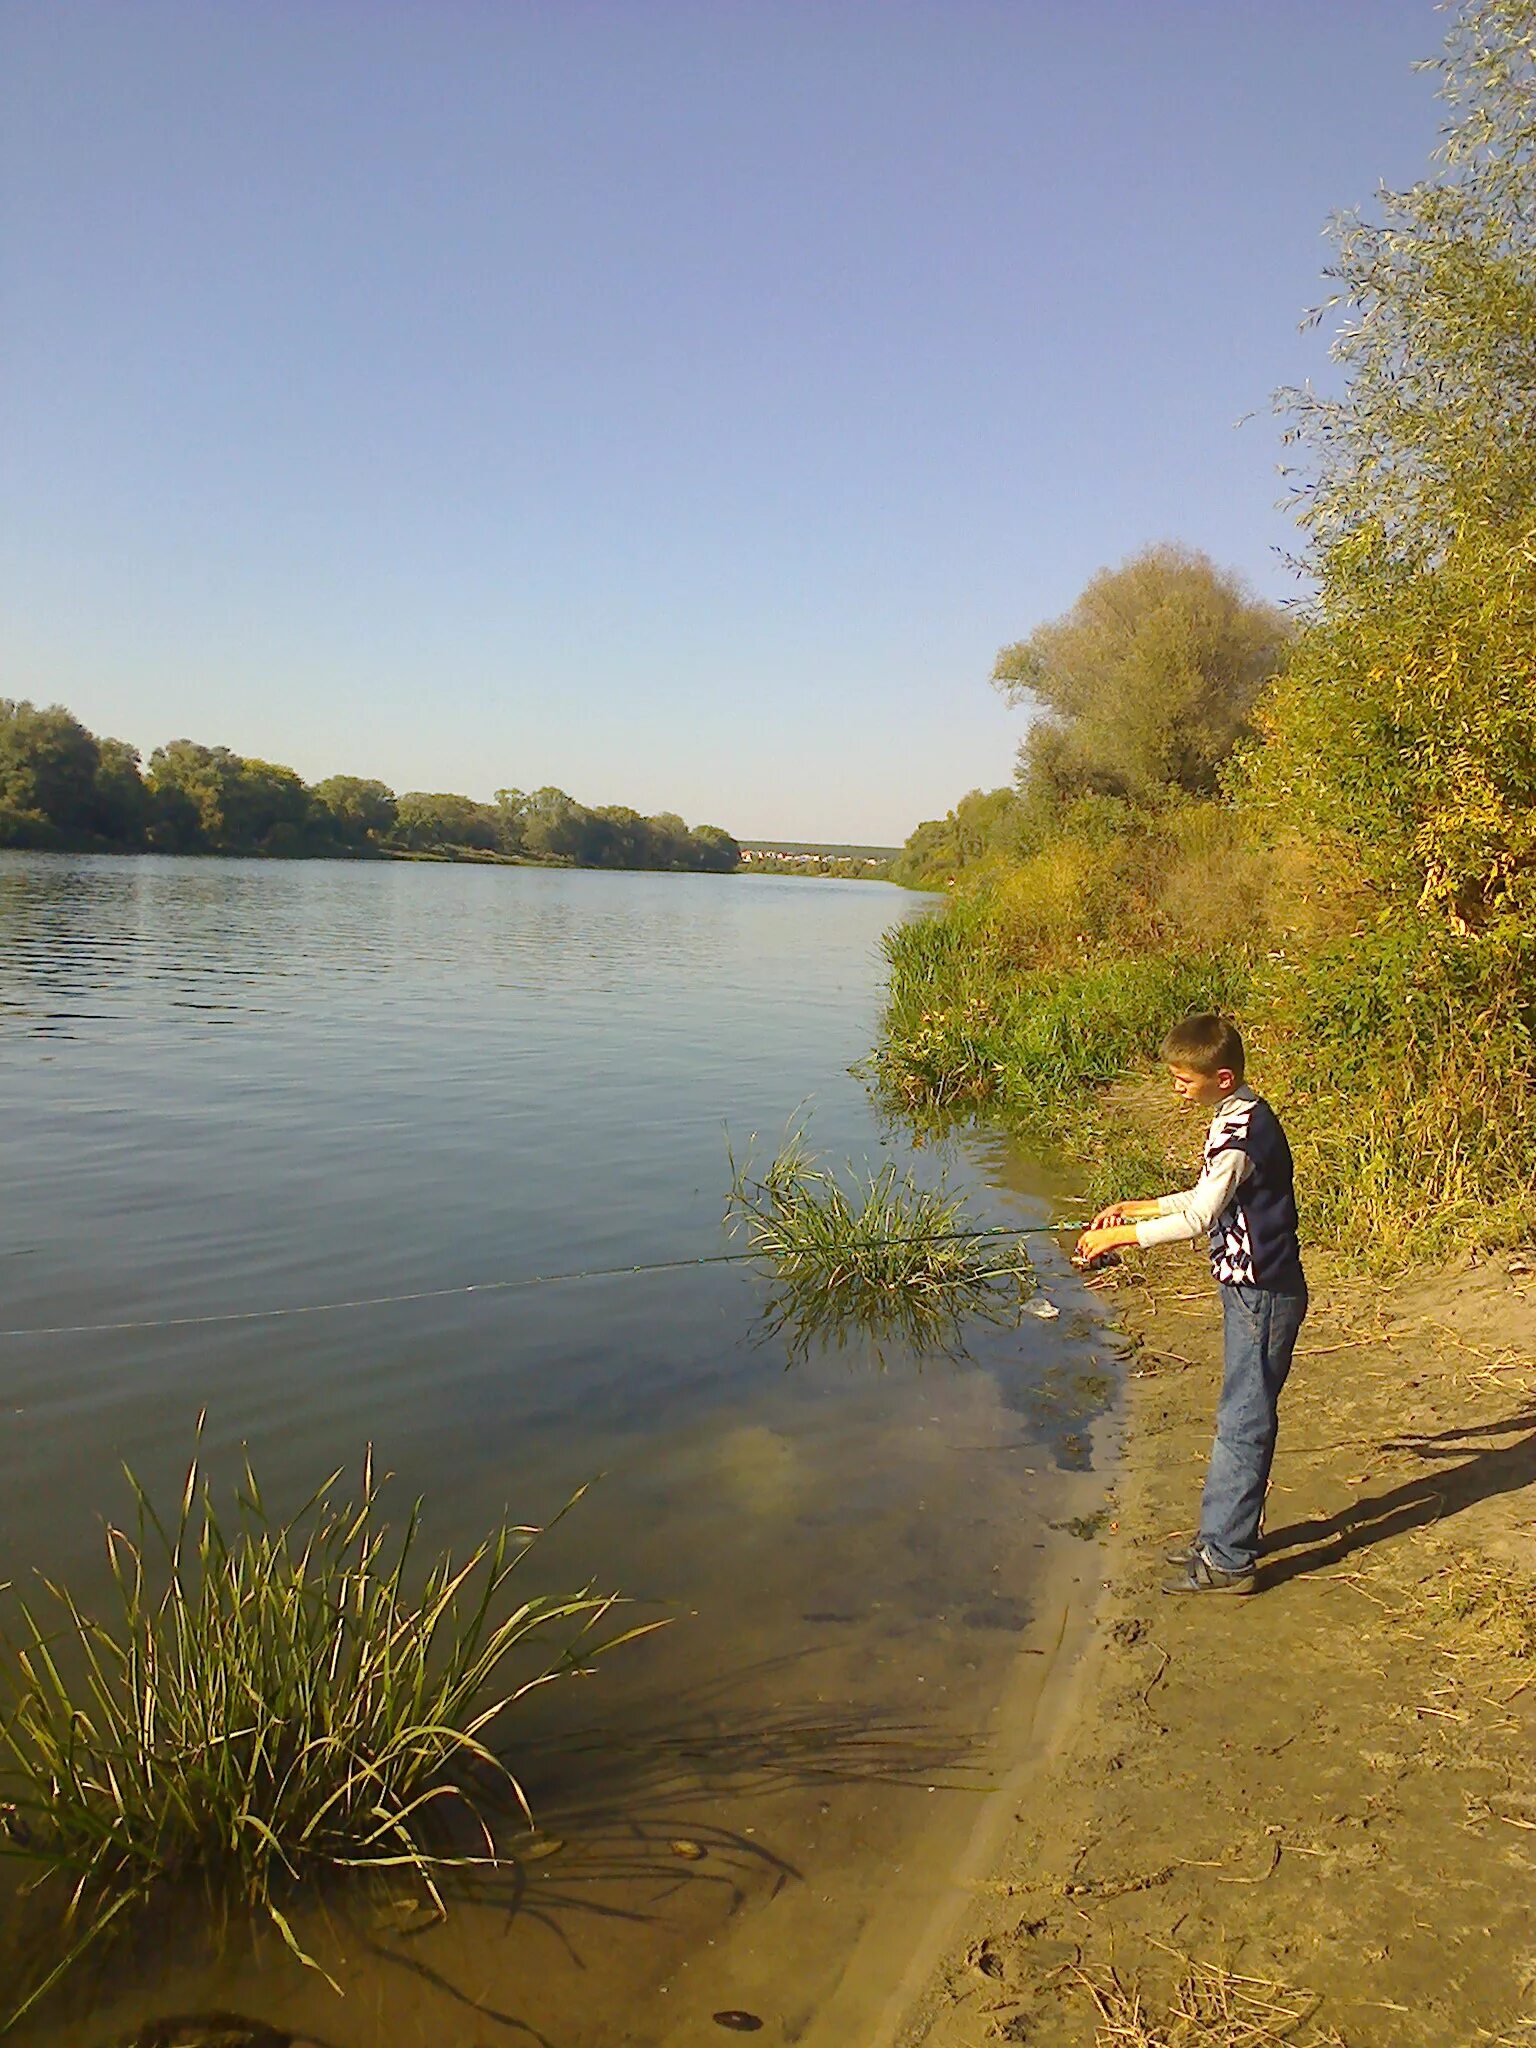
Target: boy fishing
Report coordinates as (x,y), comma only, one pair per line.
(1245,1200)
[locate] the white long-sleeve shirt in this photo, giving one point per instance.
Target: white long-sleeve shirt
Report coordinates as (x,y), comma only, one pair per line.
(1192,1211)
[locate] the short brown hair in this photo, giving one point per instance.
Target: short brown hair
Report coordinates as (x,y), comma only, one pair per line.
(1206,1043)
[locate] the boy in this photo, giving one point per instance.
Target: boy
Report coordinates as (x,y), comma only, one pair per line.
(1246,1201)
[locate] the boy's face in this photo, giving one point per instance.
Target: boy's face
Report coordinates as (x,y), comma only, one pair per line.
(1202,1091)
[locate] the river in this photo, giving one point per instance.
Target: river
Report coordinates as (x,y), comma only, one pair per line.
(228,1087)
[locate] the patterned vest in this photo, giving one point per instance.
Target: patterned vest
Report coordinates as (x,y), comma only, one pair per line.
(1254,1239)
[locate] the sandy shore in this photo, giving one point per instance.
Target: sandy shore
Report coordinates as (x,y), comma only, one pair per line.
(1309,1815)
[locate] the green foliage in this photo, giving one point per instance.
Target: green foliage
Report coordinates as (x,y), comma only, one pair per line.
(971,1021)
(48,764)
(60,787)
(120,804)
(1364,893)
(425,821)
(221,800)
(361,811)
(1400,747)
(1432,435)
(270,1699)
(983,825)
(888,1260)
(715,850)
(1142,689)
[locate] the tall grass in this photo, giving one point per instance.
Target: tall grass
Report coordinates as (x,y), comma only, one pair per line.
(269,1700)
(968,1029)
(885,1259)
(1402,1058)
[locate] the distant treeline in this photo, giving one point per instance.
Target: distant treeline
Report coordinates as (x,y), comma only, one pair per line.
(63,788)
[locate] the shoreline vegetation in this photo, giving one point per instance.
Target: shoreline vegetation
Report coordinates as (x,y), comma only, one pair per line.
(1321,823)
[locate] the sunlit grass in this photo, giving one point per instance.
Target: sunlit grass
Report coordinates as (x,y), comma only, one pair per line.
(264,1701)
(882,1258)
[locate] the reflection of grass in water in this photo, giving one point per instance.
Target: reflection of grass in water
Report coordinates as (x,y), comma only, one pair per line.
(269,1700)
(885,1259)
(1085,1527)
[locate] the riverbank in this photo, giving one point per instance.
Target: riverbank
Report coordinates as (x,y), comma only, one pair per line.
(1305,1816)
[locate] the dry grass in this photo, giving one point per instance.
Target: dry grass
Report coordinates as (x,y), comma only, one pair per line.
(1212,2007)
(1479,1608)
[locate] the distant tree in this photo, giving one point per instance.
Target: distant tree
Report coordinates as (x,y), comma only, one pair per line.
(267,808)
(240,805)
(360,810)
(60,786)
(618,837)
(48,765)
(554,825)
(186,782)
(425,820)
(984,824)
(1146,685)
(670,844)
(174,823)
(510,807)
(120,803)
(715,851)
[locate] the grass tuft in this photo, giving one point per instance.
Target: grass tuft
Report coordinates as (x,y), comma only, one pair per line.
(886,1259)
(270,1700)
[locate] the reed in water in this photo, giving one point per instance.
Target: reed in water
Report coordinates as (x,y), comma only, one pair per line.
(882,1257)
(269,1700)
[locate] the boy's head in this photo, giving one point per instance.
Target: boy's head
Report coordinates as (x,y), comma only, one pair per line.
(1204,1054)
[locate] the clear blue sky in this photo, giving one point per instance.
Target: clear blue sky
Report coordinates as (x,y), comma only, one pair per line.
(676,402)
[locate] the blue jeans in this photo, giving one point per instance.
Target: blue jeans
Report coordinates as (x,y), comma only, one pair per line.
(1259,1330)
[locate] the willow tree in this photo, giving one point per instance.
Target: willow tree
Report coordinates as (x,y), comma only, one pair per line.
(1145,686)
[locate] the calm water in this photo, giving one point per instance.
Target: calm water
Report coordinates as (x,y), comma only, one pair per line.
(234,1086)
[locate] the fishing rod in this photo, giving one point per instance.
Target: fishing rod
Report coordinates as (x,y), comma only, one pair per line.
(326,1308)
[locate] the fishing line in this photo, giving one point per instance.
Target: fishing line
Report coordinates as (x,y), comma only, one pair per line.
(326,1308)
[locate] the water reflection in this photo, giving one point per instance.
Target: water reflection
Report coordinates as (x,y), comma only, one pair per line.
(231,1084)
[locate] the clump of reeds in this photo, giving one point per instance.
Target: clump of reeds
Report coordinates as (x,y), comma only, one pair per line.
(883,1258)
(269,1700)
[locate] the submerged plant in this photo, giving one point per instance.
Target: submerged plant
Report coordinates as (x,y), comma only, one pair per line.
(270,1700)
(884,1258)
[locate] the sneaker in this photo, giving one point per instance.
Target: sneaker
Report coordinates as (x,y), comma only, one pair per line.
(1186,1553)
(1199,1575)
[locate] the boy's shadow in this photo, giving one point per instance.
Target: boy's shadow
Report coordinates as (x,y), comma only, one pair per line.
(1433,1496)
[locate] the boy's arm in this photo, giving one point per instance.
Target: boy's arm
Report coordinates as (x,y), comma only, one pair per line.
(1171,1219)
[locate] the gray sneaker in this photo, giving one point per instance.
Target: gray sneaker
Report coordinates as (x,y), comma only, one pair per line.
(1199,1575)
(1186,1553)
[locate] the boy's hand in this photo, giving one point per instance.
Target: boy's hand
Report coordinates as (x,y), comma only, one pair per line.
(1096,1240)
